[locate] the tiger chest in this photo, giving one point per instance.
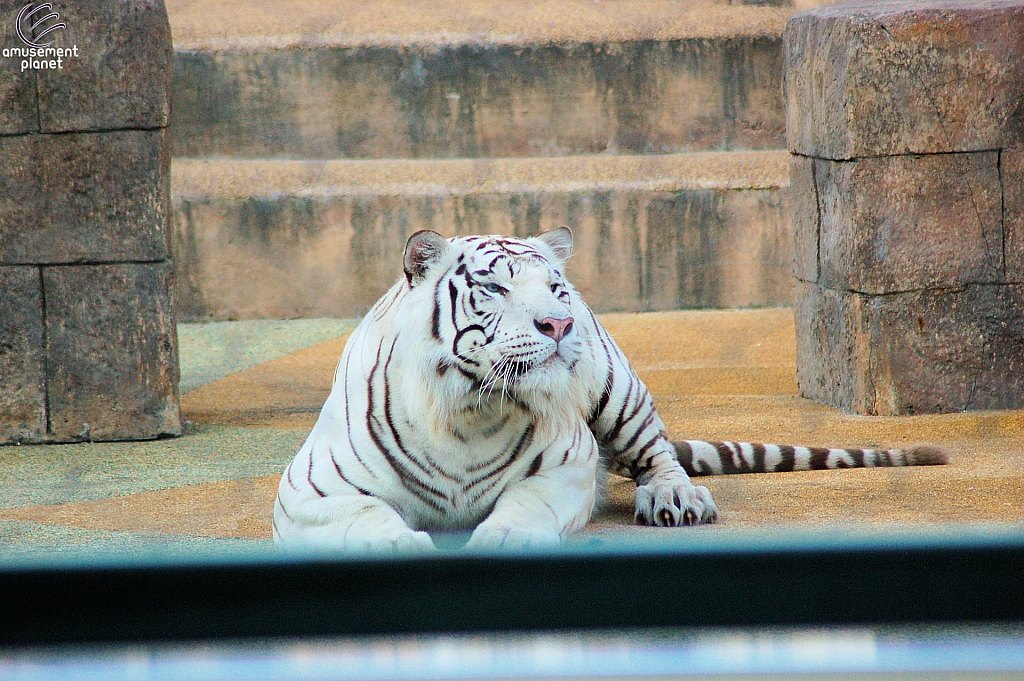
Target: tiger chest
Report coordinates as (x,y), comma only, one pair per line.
(454,480)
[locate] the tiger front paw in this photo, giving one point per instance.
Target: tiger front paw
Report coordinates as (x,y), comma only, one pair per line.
(669,503)
(402,543)
(512,539)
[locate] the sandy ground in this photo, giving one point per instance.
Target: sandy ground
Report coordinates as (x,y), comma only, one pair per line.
(245,178)
(714,374)
(256,24)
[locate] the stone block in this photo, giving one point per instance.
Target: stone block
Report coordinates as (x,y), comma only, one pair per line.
(832,347)
(22,356)
(111,363)
(122,75)
(1012,166)
(19,112)
(874,78)
(85,197)
(912,353)
(806,218)
(22,202)
(906,223)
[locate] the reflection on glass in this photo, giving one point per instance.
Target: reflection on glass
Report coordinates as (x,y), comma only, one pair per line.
(950,652)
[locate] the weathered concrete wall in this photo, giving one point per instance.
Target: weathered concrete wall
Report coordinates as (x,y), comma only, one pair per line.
(904,118)
(406,88)
(87,341)
(648,237)
(472,101)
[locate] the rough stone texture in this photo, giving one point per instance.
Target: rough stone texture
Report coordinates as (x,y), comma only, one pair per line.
(88,351)
(912,353)
(122,76)
(832,358)
(21,201)
(806,218)
(896,77)
(909,221)
(19,113)
(475,101)
(905,223)
(1012,166)
(112,352)
(22,356)
(85,197)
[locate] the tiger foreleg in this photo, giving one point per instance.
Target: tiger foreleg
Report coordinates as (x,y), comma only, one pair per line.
(665,496)
(632,436)
(354,523)
(538,511)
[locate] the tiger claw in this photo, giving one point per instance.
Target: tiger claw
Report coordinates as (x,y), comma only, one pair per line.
(672,503)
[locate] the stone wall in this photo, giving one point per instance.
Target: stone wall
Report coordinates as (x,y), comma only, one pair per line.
(87,342)
(905,122)
(480,101)
(308,239)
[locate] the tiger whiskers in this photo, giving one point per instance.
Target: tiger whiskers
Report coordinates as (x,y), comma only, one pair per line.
(502,375)
(489,380)
(505,376)
(503,370)
(498,370)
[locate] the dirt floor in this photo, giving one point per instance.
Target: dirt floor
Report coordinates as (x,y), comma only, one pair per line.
(252,24)
(714,375)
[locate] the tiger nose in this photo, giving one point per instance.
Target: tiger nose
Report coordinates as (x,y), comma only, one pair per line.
(555,328)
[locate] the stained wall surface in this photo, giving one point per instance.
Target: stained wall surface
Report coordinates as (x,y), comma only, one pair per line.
(311,139)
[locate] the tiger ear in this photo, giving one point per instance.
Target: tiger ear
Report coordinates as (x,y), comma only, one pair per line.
(423,249)
(559,241)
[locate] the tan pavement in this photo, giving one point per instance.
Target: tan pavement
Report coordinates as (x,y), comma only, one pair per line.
(254,24)
(714,374)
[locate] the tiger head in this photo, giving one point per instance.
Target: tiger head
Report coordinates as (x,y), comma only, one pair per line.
(501,320)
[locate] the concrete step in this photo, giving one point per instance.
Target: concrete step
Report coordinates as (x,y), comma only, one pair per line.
(285,239)
(474,79)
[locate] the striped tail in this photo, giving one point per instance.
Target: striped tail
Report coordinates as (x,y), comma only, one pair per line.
(725,458)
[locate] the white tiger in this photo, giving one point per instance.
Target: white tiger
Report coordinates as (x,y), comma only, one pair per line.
(480,393)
